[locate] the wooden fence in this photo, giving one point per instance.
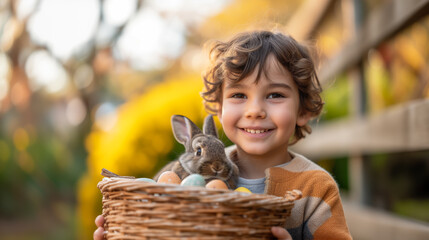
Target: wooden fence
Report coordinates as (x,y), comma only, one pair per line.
(402,128)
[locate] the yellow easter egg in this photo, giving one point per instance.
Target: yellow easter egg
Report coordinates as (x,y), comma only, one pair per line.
(216,184)
(169,177)
(242,189)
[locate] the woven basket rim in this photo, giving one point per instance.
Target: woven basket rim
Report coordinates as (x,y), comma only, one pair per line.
(137,185)
(136,209)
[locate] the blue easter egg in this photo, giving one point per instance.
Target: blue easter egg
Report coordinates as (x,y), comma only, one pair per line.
(195,180)
(146,180)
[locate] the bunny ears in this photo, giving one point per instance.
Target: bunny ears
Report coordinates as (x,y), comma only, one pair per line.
(184,129)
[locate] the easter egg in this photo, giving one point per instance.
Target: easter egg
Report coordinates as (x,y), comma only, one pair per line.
(216,184)
(146,180)
(242,189)
(194,180)
(169,177)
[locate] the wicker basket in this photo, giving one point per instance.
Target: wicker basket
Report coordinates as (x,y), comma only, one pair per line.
(140,210)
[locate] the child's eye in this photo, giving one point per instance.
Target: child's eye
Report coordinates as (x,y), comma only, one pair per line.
(238,95)
(275,95)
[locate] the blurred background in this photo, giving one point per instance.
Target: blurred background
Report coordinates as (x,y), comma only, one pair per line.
(91,84)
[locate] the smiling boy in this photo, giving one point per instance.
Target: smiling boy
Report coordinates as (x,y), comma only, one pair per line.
(263,87)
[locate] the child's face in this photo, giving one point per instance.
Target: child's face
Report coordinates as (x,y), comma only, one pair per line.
(260,118)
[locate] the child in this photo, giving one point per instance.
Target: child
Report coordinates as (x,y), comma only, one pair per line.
(263,87)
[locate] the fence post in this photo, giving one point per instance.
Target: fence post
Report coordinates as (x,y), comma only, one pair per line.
(358,109)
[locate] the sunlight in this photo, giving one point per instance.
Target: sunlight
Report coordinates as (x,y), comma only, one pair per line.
(117,12)
(153,39)
(190,11)
(24,8)
(44,72)
(4,75)
(75,24)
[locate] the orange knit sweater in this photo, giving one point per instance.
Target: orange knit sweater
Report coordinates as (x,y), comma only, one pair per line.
(319,213)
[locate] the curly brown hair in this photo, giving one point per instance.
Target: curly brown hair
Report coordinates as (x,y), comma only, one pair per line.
(238,58)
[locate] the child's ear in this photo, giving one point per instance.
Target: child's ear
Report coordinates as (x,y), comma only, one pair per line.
(303,118)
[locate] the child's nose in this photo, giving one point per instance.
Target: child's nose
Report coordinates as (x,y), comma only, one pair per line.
(255,110)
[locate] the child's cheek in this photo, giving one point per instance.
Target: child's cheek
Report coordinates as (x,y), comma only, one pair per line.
(230,115)
(230,110)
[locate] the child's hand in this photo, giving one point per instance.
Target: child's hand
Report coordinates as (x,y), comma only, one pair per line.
(281,233)
(99,233)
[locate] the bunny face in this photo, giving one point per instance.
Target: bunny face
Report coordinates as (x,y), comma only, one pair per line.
(207,157)
(205,153)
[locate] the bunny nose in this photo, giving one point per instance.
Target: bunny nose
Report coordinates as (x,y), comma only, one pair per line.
(216,167)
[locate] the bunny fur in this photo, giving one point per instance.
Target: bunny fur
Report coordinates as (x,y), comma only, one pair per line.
(204,152)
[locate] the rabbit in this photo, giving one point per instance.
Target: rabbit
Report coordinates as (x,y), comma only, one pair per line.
(204,152)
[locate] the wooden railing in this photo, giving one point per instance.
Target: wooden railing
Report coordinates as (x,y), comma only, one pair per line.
(380,25)
(401,128)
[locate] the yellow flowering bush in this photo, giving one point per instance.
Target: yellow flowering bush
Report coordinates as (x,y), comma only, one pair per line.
(140,142)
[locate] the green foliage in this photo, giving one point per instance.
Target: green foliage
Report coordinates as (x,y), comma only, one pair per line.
(338,168)
(337,98)
(35,176)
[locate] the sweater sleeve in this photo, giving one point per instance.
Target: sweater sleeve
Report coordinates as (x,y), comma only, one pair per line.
(319,213)
(334,226)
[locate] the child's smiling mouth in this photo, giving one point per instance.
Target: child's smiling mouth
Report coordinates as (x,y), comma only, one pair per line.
(255,131)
